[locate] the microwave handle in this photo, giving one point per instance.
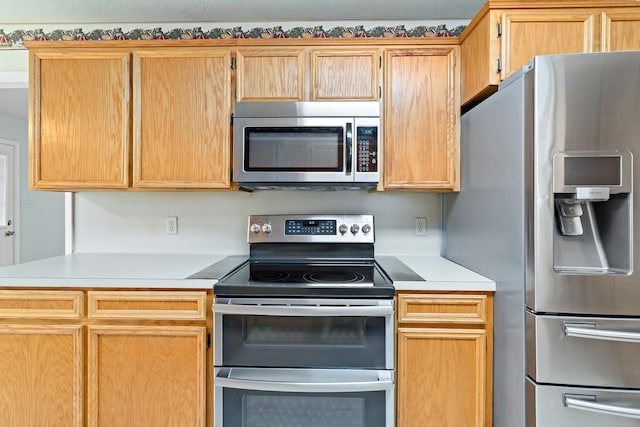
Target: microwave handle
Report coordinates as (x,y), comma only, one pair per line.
(349,144)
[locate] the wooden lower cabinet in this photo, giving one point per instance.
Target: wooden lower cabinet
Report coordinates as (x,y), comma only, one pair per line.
(105,358)
(444,363)
(146,375)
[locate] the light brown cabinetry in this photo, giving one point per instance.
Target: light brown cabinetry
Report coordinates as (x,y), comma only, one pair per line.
(41,364)
(421,118)
(145,362)
(307,74)
(84,103)
(444,363)
(505,35)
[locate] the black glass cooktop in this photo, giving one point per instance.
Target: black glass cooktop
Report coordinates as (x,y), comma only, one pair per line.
(326,279)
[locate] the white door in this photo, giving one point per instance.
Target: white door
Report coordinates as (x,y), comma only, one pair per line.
(7,194)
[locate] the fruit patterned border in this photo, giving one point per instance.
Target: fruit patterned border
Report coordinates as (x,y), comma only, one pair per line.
(15,39)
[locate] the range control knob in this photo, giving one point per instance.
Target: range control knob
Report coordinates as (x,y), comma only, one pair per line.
(266,228)
(355,228)
(343,228)
(366,228)
(255,228)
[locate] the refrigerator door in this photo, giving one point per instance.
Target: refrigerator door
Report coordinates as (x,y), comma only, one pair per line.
(585,351)
(557,406)
(586,135)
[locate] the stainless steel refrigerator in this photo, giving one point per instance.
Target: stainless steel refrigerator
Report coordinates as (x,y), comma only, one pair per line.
(546,209)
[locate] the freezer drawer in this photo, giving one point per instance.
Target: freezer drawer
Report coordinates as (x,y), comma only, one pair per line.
(583,351)
(556,406)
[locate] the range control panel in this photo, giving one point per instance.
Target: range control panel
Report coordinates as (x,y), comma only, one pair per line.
(311,229)
(367,143)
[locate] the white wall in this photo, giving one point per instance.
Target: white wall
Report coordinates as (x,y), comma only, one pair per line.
(217,222)
(41,219)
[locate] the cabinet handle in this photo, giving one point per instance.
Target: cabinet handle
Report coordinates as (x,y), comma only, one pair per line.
(588,403)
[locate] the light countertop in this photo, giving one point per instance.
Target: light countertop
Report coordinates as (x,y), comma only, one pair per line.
(169,271)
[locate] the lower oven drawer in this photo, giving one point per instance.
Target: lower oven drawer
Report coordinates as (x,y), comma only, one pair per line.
(583,351)
(557,406)
(304,333)
(257,397)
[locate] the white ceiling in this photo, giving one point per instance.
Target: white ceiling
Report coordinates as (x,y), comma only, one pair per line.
(230,11)
(67,14)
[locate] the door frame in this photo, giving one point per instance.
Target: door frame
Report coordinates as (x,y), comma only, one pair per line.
(16,198)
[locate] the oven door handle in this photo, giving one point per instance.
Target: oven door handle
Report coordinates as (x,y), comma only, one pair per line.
(349,382)
(308,311)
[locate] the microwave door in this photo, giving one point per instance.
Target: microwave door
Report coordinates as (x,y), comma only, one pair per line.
(291,150)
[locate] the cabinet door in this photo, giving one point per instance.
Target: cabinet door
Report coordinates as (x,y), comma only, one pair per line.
(526,34)
(79,119)
(441,377)
(348,75)
(421,119)
(270,75)
(41,375)
(146,376)
(181,118)
(621,30)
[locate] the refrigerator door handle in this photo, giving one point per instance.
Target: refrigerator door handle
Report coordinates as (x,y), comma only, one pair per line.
(590,331)
(588,403)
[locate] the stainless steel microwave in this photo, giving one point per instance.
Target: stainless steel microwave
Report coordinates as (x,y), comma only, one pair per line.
(307,145)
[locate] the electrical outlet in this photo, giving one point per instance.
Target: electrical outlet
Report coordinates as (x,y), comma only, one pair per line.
(421,226)
(172,225)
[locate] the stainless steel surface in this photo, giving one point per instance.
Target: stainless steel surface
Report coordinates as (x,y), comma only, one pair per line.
(280,109)
(546,209)
(221,268)
(349,116)
(276,223)
(398,271)
(586,351)
(557,406)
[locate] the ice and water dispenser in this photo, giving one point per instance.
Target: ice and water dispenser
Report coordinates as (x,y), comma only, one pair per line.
(593,206)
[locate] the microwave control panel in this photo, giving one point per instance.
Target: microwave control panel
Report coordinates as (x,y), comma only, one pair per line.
(367,139)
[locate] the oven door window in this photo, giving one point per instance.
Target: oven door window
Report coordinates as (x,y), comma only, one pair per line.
(294,149)
(250,408)
(304,341)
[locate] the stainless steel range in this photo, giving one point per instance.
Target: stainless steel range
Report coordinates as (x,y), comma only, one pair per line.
(304,327)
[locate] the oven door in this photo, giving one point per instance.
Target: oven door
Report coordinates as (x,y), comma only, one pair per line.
(246,397)
(304,333)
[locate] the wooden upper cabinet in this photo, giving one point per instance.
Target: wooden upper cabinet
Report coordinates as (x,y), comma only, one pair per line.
(421,114)
(620,30)
(270,74)
(79,118)
(526,34)
(350,75)
(505,35)
(181,118)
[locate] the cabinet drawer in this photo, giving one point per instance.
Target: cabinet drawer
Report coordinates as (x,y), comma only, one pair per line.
(41,304)
(152,305)
(436,308)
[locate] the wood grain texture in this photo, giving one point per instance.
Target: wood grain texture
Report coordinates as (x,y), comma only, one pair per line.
(79,119)
(151,305)
(270,74)
(344,75)
(441,377)
(41,375)
(181,118)
(544,32)
(620,30)
(442,308)
(421,116)
(146,376)
(41,304)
